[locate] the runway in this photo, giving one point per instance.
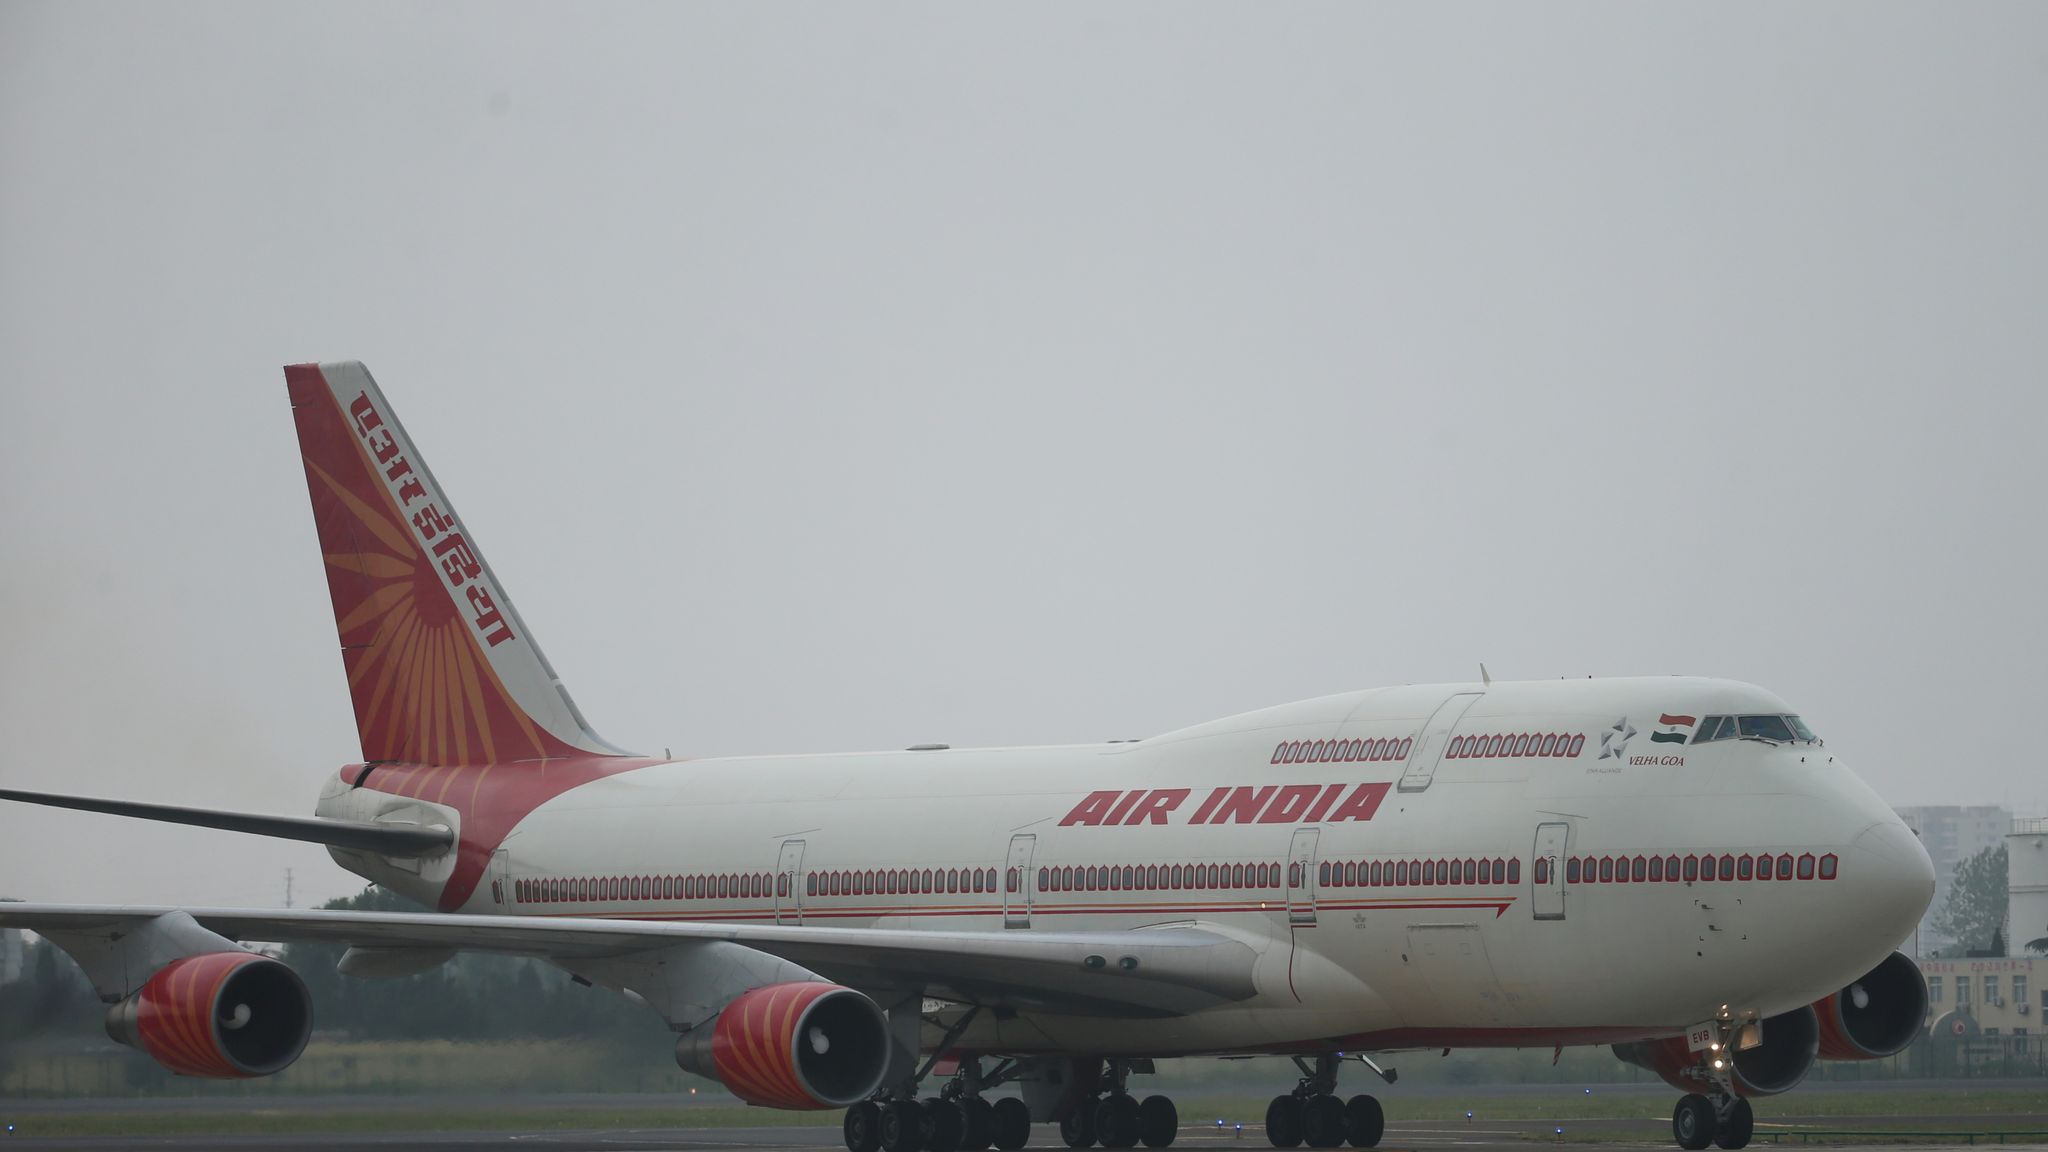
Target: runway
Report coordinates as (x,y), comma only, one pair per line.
(1499,1136)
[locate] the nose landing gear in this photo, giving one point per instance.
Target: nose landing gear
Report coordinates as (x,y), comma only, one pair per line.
(1313,1115)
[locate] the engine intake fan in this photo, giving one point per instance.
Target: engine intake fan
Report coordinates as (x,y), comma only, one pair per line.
(218,1015)
(797,1045)
(1877,1015)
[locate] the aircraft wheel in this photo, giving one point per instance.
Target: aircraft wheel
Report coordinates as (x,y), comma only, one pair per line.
(863,1127)
(980,1117)
(1116,1121)
(1322,1122)
(1692,1122)
(1732,1130)
(1158,1122)
(902,1126)
(1077,1127)
(1364,1121)
(1283,1122)
(944,1125)
(1010,1124)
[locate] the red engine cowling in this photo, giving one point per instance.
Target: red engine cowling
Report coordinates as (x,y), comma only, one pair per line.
(1790,1043)
(221,1015)
(801,1045)
(1877,1015)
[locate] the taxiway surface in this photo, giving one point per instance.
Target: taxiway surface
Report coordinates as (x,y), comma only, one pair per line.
(1428,1136)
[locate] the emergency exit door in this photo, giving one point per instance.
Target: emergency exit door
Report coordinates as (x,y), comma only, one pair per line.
(789,883)
(1301,879)
(1546,871)
(1017,881)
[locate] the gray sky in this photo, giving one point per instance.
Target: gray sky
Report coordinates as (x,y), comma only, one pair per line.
(834,377)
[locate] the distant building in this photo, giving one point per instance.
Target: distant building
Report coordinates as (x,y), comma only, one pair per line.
(1951,835)
(2026,876)
(1987,997)
(1983,998)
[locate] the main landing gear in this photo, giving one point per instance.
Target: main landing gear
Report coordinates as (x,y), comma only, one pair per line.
(958,1119)
(1116,1119)
(1723,1120)
(1313,1115)
(936,1124)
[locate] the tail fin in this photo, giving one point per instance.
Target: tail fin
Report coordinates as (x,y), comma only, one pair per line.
(441,668)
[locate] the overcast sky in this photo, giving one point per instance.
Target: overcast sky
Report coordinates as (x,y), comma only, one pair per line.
(844,377)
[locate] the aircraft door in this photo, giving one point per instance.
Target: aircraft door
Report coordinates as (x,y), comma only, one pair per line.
(1436,736)
(1017,881)
(1546,871)
(789,883)
(501,877)
(1301,879)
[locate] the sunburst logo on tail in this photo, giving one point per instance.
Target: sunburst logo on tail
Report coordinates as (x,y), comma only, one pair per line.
(413,605)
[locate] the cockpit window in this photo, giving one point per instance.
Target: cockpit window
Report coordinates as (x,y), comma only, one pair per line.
(1778,729)
(1767,728)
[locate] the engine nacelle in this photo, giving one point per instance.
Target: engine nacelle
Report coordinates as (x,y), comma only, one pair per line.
(219,1015)
(798,1045)
(1790,1043)
(1876,1016)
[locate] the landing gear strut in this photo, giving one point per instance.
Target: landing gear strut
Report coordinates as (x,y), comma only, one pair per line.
(1723,1120)
(1117,1120)
(960,1119)
(1313,1115)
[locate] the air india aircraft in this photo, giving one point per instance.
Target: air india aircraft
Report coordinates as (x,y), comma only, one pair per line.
(1676,867)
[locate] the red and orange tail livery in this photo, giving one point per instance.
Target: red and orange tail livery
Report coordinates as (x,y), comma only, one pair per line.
(440,667)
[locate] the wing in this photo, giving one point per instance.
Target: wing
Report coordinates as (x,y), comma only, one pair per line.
(1146,972)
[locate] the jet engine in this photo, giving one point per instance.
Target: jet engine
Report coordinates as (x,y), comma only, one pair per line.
(1776,1063)
(1875,1016)
(796,1045)
(218,1015)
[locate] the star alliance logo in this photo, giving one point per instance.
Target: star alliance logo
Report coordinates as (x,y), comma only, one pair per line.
(1614,741)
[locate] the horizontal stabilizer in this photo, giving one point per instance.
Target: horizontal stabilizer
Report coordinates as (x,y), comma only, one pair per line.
(383,839)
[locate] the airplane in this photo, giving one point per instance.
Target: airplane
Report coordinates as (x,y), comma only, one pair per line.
(1677,867)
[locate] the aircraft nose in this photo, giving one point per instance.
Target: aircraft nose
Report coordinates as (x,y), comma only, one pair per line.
(1895,878)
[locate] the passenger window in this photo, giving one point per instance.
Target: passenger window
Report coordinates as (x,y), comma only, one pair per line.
(1767,728)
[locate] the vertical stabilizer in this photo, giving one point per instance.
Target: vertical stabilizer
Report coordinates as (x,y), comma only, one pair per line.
(440,667)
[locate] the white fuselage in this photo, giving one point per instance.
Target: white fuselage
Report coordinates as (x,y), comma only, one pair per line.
(1311,862)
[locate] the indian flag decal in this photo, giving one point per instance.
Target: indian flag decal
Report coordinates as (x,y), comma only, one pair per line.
(1667,720)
